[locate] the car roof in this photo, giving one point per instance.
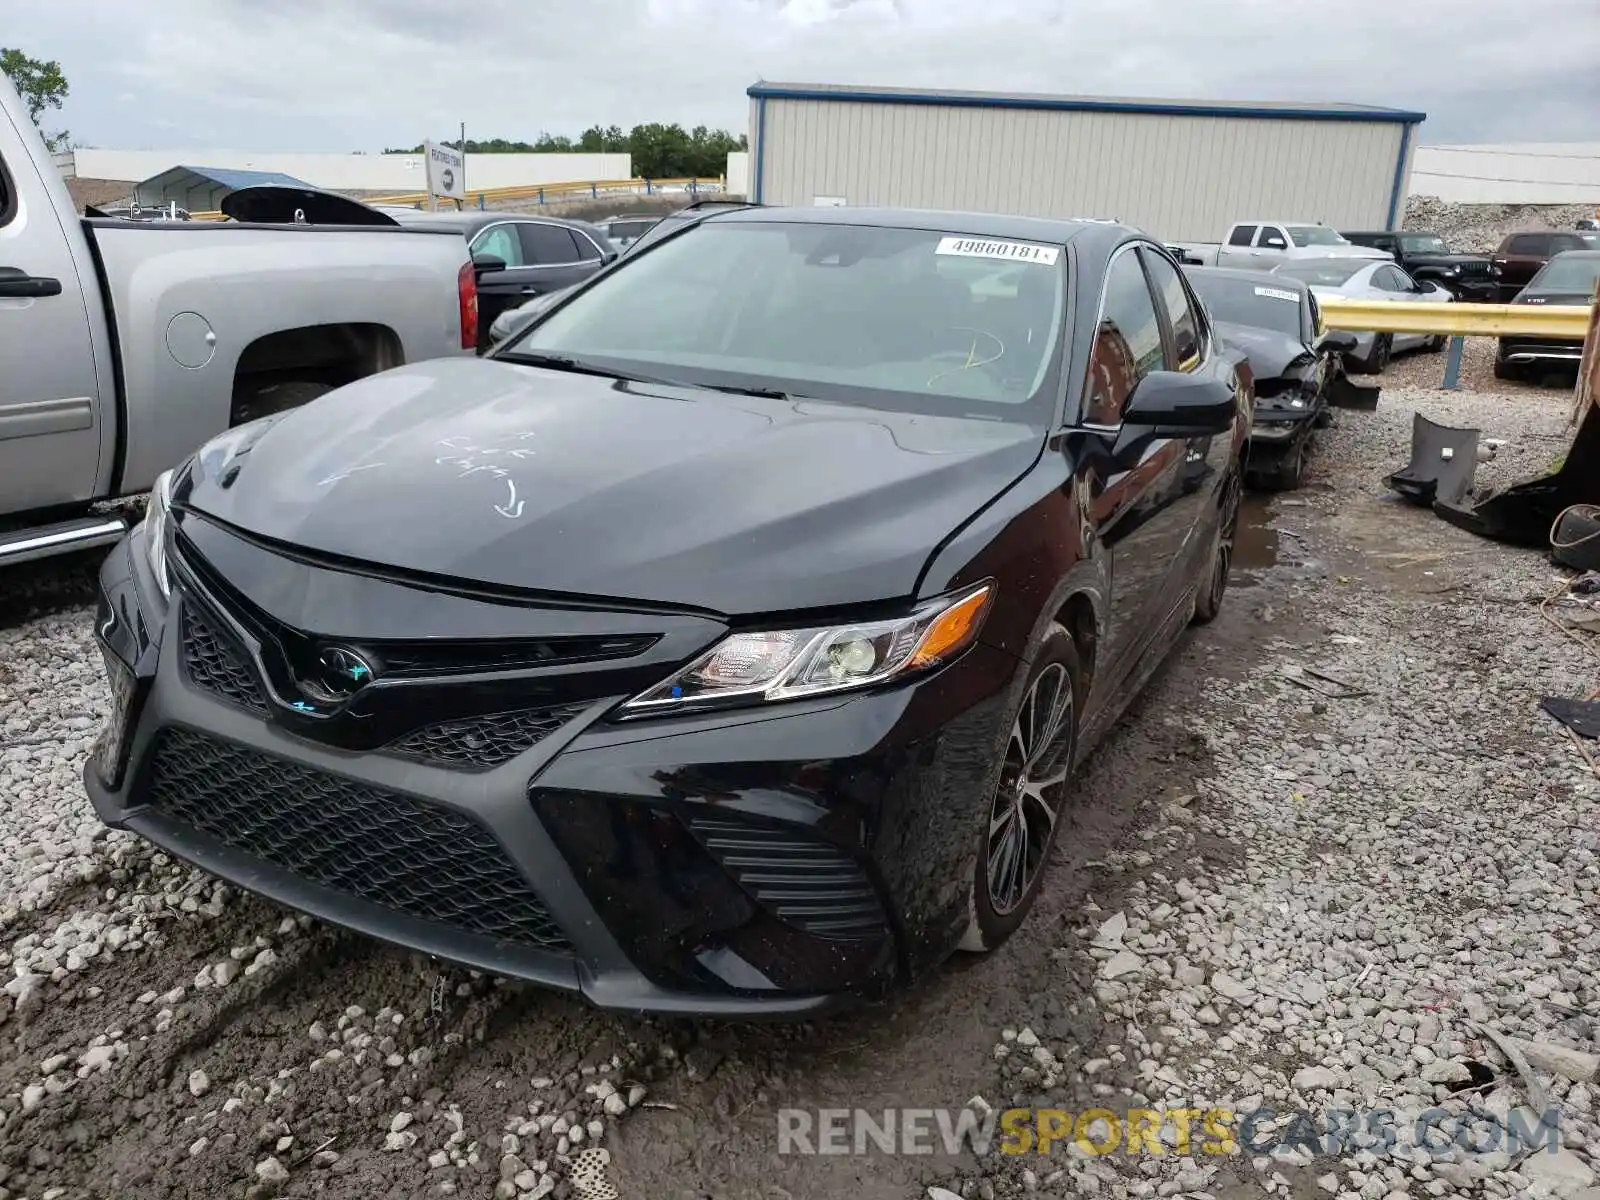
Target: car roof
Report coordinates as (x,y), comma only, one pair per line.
(1051,230)
(1270,278)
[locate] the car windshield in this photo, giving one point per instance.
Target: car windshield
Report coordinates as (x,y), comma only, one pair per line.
(1315,235)
(1329,273)
(1570,272)
(871,315)
(1423,243)
(1246,302)
(1592,240)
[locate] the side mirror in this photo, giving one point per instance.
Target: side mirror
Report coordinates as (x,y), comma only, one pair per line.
(484,263)
(1339,342)
(1176,404)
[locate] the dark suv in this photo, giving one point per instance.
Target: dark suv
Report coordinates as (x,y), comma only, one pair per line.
(1521,255)
(1426,256)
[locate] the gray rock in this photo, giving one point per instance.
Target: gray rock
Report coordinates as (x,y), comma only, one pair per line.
(1308,1079)
(270,1170)
(1576,1065)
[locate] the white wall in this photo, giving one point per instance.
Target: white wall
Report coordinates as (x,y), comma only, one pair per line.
(738,176)
(359,172)
(1528,173)
(1182,178)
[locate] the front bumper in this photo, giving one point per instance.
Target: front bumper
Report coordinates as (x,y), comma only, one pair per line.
(763,863)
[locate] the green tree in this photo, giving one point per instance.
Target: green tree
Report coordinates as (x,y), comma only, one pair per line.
(41,85)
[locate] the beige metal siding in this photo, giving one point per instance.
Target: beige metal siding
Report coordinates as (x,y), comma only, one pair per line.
(1182,178)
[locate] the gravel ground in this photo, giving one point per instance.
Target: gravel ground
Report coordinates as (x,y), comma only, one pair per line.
(1425,370)
(1264,893)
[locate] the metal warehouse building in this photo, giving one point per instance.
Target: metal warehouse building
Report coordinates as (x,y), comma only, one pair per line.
(1182,170)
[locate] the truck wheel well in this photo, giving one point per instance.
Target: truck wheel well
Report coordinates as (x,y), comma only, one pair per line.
(330,355)
(1077,617)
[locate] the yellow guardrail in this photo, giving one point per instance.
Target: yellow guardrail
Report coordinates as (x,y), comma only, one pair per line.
(1456,320)
(541,192)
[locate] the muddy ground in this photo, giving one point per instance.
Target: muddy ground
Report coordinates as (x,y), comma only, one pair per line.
(220,1035)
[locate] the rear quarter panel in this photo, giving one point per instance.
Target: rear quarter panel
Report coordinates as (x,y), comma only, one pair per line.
(245,282)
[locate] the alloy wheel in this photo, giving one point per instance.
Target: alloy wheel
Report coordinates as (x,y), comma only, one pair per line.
(1023,816)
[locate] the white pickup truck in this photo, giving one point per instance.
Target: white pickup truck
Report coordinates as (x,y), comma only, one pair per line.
(125,344)
(1262,245)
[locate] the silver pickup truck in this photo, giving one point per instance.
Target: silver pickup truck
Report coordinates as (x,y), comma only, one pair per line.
(126,344)
(1261,245)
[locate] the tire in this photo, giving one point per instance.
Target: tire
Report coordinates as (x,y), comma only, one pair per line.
(1214,584)
(1291,472)
(273,398)
(1382,349)
(1435,344)
(999,901)
(1504,370)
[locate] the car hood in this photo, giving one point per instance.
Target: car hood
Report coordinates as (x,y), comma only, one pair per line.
(1269,351)
(512,476)
(1447,260)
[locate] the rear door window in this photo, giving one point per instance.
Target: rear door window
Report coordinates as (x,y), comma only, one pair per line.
(1242,235)
(548,245)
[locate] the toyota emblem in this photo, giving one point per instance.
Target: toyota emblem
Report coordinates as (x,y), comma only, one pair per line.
(342,672)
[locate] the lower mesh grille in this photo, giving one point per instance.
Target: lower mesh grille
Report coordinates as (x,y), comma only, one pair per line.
(419,859)
(483,742)
(214,662)
(807,883)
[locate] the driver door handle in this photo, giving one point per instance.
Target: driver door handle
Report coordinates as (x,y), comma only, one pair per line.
(18,284)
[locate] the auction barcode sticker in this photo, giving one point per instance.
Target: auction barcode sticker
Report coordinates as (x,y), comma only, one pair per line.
(966,247)
(1278,294)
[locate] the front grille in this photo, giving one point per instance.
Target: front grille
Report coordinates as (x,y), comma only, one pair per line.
(1472,269)
(213,661)
(810,884)
(482,742)
(420,859)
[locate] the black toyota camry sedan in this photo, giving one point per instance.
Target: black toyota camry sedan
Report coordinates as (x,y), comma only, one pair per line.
(723,643)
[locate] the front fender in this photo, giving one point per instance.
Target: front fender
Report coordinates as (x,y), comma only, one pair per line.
(1037,540)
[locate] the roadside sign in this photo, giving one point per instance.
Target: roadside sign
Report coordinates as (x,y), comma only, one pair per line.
(447,171)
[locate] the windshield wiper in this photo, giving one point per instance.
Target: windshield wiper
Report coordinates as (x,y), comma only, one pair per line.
(566,362)
(760,393)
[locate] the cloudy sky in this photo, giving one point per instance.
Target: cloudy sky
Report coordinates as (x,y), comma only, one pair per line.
(343,75)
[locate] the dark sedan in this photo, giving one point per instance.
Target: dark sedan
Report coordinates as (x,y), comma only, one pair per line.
(519,256)
(724,643)
(1568,278)
(1274,320)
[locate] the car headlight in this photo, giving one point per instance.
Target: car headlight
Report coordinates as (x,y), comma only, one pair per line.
(788,664)
(156,515)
